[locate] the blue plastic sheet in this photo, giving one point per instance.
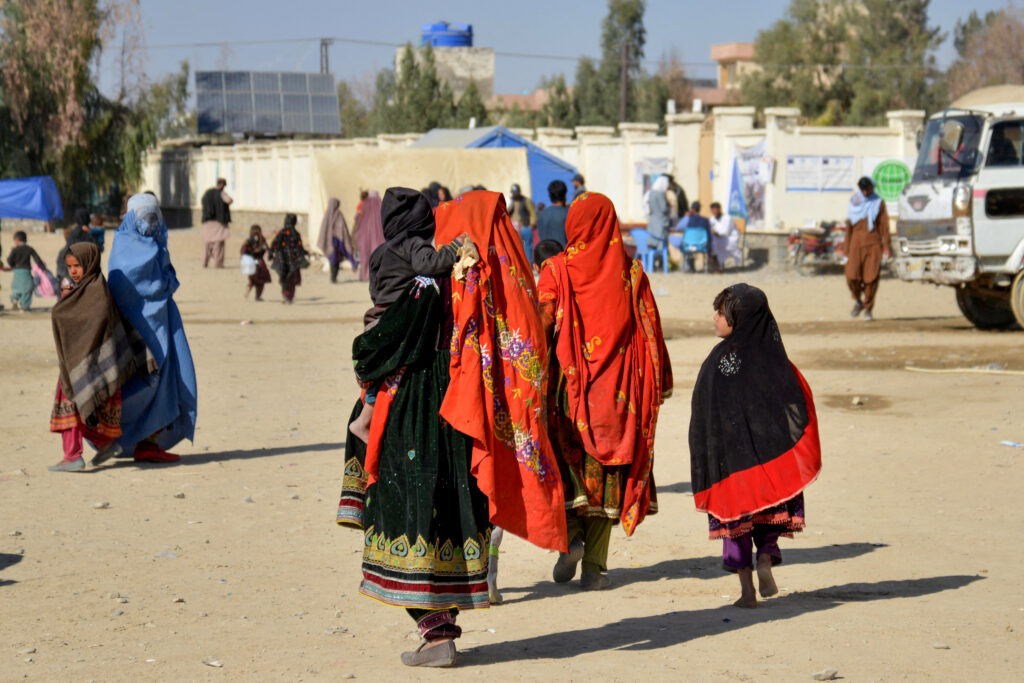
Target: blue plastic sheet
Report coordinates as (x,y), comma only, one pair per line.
(30,198)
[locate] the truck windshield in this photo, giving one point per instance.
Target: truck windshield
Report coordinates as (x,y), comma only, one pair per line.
(949,148)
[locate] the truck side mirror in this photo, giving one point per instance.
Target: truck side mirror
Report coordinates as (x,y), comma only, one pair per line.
(919,138)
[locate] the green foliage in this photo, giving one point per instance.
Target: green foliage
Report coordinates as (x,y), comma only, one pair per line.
(558,111)
(355,117)
(53,119)
(415,99)
(846,61)
(471,105)
(970,27)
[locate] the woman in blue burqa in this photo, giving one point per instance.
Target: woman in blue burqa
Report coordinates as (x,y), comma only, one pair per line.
(159,411)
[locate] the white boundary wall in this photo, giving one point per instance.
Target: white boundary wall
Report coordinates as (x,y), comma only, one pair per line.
(277,176)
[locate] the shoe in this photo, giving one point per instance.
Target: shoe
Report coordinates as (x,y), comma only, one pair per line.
(439,655)
(146,452)
(76,465)
(857,308)
(868,317)
(593,581)
(114,450)
(565,567)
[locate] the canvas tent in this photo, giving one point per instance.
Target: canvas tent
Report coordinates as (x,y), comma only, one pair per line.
(543,166)
(342,173)
(35,198)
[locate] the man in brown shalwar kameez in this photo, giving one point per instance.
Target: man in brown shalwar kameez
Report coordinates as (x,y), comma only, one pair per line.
(867,239)
(216,217)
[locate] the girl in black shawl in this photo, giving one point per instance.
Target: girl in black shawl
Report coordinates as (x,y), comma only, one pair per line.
(288,258)
(78,232)
(255,247)
(753,439)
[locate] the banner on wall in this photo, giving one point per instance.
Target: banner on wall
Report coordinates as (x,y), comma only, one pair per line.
(737,204)
(752,171)
(813,173)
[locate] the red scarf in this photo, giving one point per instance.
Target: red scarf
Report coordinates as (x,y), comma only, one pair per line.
(498,374)
(610,347)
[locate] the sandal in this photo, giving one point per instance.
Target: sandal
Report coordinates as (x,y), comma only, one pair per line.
(438,655)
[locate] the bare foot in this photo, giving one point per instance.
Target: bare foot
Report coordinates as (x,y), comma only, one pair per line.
(748,599)
(360,427)
(765,581)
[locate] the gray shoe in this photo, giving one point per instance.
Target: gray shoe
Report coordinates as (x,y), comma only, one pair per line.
(868,317)
(857,308)
(68,466)
(565,567)
(593,581)
(439,655)
(114,450)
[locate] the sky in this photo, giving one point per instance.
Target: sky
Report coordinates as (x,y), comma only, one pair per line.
(534,27)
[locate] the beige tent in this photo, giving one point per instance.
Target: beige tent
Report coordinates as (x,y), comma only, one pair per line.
(344,172)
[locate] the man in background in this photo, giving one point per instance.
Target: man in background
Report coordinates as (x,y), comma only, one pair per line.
(524,218)
(551,221)
(725,238)
(216,218)
(579,186)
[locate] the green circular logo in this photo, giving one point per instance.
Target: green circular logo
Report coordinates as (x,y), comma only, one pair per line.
(890,177)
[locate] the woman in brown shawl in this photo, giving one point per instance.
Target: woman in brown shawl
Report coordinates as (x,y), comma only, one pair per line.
(98,352)
(335,241)
(369,232)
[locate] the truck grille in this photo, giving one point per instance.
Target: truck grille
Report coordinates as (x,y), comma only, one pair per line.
(923,247)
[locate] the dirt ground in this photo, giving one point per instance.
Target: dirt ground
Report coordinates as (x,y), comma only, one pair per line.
(909,568)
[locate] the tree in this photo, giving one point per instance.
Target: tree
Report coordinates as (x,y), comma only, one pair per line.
(598,91)
(558,110)
(54,120)
(415,99)
(672,73)
(354,115)
(847,61)
(471,106)
(893,52)
(989,51)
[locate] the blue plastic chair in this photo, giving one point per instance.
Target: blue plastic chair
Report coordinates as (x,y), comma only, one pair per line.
(695,241)
(646,253)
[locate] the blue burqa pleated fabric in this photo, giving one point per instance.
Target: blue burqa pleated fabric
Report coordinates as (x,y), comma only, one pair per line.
(142,282)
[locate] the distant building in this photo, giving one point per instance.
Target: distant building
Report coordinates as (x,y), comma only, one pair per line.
(734,60)
(458,62)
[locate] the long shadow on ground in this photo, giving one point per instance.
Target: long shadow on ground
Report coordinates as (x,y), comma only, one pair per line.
(7,560)
(674,628)
(709,567)
(218,456)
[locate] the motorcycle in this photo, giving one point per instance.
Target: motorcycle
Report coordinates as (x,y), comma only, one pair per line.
(814,247)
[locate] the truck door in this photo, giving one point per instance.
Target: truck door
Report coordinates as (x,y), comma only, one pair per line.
(999,195)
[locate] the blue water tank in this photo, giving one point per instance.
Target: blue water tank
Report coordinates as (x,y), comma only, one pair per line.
(444,34)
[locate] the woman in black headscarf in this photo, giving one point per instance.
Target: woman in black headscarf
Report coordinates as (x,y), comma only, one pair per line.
(78,232)
(754,443)
(288,258)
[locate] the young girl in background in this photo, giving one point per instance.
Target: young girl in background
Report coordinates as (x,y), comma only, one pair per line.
(753,440)
(255,247)
(98,352)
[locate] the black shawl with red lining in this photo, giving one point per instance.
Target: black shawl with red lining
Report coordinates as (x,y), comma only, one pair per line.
(753,429)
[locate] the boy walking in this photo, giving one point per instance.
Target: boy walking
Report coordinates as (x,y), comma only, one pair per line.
(20,260)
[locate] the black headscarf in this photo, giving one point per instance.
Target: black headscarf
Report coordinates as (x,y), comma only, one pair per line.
(287,251)
(406,213)
(432,194)
(748,406)
(82,217)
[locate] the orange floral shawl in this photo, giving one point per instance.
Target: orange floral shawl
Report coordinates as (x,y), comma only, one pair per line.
(498,373)
(610,347)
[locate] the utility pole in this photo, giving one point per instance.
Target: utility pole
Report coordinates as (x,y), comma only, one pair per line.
(624,94)
(325,66)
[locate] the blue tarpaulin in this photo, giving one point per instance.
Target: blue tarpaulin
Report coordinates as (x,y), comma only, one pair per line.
(30,198)
(544,166)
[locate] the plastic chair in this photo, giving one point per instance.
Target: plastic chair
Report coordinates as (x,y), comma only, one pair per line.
(646,253)
(695,241)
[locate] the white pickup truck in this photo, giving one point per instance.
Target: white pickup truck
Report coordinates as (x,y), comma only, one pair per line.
(961,217)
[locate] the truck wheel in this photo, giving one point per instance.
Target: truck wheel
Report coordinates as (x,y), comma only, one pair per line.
(984,312)
(1017,298)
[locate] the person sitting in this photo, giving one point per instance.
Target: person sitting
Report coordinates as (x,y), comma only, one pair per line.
(692,219)
(725,239)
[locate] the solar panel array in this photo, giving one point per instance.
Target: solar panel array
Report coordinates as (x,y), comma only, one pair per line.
(267,102)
